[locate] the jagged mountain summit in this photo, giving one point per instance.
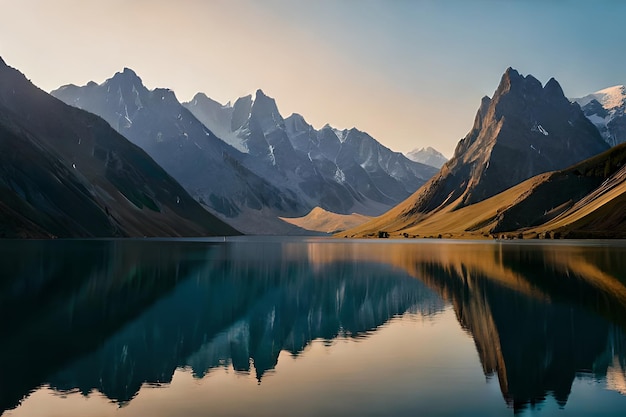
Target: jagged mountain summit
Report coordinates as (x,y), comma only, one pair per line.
(429,156)
(606,109)
(345,170)
(252,174)
(524,130)
(212,171)
(66,173)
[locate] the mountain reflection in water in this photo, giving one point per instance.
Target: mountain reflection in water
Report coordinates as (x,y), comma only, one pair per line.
(113,315)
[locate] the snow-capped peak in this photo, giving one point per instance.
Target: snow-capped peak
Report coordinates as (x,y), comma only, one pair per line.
(429,156)
(610,97)
(606,109)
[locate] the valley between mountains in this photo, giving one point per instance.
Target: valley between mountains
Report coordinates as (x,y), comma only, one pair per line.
(118,159)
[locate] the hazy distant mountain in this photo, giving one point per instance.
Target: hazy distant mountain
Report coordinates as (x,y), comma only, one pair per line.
(64,172)
(252,173)
(236,305)
(428,156)
(607,110)
(212,171)
(340,171)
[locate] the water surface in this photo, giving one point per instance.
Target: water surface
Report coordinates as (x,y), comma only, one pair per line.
(269,326)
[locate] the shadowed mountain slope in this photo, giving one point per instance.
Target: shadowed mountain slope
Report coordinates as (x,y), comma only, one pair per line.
(65,173)
(428,156)
(213,172)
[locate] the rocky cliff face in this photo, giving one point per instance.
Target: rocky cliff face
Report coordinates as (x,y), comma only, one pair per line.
(524,130)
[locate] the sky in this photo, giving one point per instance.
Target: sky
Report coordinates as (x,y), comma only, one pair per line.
(410,73)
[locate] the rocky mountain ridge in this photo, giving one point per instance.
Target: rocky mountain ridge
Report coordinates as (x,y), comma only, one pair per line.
(260,167)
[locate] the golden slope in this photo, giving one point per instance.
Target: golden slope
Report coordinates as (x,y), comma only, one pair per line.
(585,200)
(599,214)
(474,221)
(320,220)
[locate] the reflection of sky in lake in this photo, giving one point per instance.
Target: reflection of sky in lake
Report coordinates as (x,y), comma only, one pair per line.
(323,327)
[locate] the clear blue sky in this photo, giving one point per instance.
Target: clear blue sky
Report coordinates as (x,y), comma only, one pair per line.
(411,73)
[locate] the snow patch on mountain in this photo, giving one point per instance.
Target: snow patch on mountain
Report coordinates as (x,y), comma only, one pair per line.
(606,109)
(429,156)
(610,97)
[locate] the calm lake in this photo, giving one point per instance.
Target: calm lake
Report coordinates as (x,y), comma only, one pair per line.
(312,327)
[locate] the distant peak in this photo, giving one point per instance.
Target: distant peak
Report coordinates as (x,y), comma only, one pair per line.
(553,88)
(297,117)
(510,72)
(200,96)
(203,98)
(244,99)
(513,80)
(128,74)
(263,100)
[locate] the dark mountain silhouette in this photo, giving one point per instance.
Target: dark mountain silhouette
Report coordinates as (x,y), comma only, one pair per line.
(64,172)
(252,174)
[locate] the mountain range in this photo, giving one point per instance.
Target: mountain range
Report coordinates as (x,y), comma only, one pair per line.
(344,171)
(526,129)
(65,172)
(245,162)
(533,163)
